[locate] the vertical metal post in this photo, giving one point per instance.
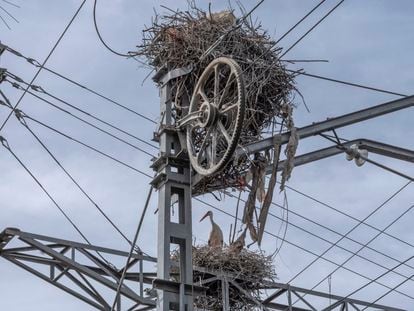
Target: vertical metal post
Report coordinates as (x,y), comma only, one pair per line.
(173,179)
(225,293)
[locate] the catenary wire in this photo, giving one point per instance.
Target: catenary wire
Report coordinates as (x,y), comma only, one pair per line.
(9,14)
(41,90)
(7,147)
(374,280)
(11,3)
(349,216)
(100,37)
(35,63)
(87,122)
(92,201)
(302,73)
(304,249)
(272,203)
(405,212)
(290,223)
(124,271)
(44,63)
(4,22)
(388,292)
(299,22)
(299,72)
(312,28)
(270,213)
(348,232)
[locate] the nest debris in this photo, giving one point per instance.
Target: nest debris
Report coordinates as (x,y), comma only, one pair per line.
(195,38)
(249,270)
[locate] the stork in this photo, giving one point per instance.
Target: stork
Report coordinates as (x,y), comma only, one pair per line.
(237,246)
(215,239)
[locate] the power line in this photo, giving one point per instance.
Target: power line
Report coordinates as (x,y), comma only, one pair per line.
(273,215)
(231,195)
(40,89)
(9,14)
(11,3)
(100,37)
(273,234)
(141,220)
(349,216)
(78,84)
(85,121)
(312,28)
(322,238)
(44,63)
(4,22)
(299,22)
(6,145)
(302,73)
(349,231)
(22,121)
(377,278)
(388,292)
(87,146)
(307,250)
(363,246)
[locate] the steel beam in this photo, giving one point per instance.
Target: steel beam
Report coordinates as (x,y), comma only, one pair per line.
(330,124)
(370,145)
(173,179)
(58,254)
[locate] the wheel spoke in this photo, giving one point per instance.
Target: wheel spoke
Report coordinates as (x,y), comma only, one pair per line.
(226,89)
(216,84)
(224,132)
(227,109)
(213,148)
(203,95)
(203,145)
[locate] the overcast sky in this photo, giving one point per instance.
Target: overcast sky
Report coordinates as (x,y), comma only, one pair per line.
(368,42)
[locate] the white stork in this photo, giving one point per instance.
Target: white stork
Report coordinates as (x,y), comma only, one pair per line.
(215,239)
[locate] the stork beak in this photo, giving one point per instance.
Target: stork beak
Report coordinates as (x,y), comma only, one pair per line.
(204,217)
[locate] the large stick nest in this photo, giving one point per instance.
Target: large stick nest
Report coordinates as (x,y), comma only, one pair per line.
(185,38)
(247,269)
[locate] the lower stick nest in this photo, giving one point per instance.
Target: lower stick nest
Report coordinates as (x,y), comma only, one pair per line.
(248,270)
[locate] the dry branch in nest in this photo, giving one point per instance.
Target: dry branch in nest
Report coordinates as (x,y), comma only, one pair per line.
(195,38)
(248,270)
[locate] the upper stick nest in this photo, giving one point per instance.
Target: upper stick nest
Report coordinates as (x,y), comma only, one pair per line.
(195,38)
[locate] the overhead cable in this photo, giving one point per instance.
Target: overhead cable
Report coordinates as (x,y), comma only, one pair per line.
(44,63)
(41,90)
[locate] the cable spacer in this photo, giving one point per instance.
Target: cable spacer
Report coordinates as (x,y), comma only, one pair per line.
(38,88)
(20,115)
(4,142)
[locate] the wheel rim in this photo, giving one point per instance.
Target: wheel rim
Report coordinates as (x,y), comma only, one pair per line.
(219,99)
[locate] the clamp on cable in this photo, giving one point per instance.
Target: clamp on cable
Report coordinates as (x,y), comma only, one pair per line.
(37,88)
(33,62)
(20,115)
(4,142)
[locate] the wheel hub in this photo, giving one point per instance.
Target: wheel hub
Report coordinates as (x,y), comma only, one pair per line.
(209,114)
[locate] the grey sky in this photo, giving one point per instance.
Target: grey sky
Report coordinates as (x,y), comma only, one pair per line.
(369,42)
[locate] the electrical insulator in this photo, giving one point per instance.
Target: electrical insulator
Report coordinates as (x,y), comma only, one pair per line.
(354,150)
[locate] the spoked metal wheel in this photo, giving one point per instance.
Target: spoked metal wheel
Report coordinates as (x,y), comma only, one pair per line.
(216,116)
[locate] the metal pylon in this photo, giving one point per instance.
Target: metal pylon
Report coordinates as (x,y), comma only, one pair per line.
(173,181)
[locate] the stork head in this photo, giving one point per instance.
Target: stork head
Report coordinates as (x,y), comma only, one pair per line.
(209,213)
